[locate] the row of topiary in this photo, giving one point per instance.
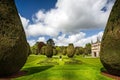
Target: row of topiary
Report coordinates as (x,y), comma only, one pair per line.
(50,49)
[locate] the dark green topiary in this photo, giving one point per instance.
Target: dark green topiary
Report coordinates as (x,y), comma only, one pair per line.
(70,50)
(43,50)
(77,51)
(49,51)
(64,52)
(14,48)
(110,47)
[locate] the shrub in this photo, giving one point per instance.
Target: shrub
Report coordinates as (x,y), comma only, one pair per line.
(43,50)
(64,52)
(77,51)
(49,51)
(110,46)
(70,50)
(14,48)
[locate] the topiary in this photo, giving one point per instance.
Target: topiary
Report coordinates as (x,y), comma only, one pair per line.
(49,51)
(110,46)
(14,48)
(77,51)
(70,50)
(43,50)
(64,52)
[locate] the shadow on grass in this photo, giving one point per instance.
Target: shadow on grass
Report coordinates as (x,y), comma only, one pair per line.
(37,69)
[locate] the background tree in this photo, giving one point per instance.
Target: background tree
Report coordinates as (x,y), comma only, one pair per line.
(43,50)
(50,42)
(77,51)
(39,46)
(54,51)
(81,49)
(87,49)
(59,49)
(64,51)
(70,50)
(110,46)
(34,49)
(49,51)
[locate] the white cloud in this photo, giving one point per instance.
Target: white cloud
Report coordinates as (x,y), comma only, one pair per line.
(69,16)
(25,23)
(77,39)
(93,38)
(41,39)
(31,42)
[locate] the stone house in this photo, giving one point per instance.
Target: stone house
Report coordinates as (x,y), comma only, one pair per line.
(95,48)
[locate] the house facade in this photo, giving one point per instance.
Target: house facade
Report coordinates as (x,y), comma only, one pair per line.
(95,49)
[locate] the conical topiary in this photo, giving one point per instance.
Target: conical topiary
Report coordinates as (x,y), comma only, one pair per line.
(14,48)
(110,46)
(70,51)
(49,51)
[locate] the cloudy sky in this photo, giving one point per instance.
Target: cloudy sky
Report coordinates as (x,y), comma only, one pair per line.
(65,21)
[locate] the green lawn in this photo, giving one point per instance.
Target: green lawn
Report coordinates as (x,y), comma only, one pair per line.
(78,68)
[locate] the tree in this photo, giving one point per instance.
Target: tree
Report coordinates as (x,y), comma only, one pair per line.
(77,51)
(39,46)
(110,46)
(14,48)
(87,49)
(54,51)
(59,49)
(64,52)
(49,51)
(34,49)
(43,50)
(82,50)
(70,50)
(50,42)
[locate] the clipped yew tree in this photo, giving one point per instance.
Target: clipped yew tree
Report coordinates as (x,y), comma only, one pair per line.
(14,48)
(110,46)
(70,50)
(49,51)
(77,51)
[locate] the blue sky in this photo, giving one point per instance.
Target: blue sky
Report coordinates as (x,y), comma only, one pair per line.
(28,7)
(65,21)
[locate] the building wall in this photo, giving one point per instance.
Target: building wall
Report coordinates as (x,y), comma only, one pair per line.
(95,49)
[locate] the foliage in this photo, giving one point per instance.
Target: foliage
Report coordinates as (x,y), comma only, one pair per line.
(87,49)
(77,51)
(49,51)
(39,46)
(64,51)
(54,51)
(50,42)
(34,49)
(110,46)
(59,49)
(43,50)
(81,50)
(70,50)
(14,48)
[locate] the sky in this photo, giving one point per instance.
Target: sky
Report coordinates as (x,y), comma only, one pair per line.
(65,21)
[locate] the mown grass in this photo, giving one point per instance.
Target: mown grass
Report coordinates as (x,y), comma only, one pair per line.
(78,68)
